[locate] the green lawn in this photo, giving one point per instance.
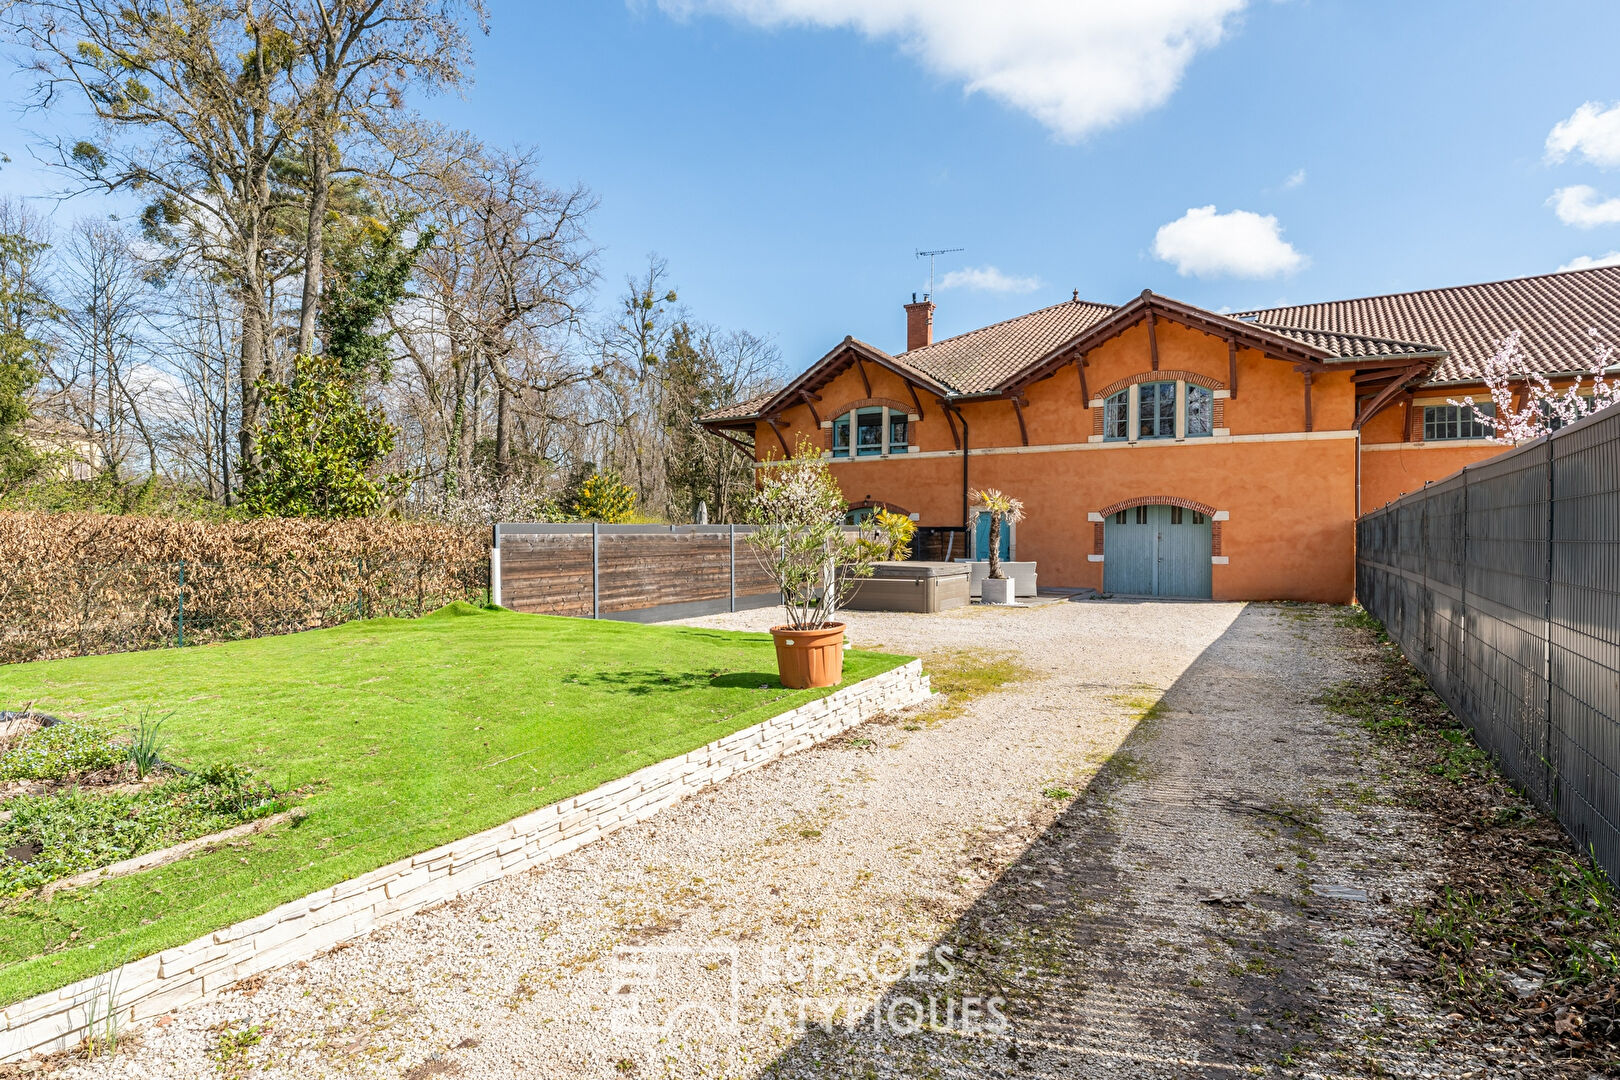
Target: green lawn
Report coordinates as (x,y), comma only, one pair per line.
(406,734)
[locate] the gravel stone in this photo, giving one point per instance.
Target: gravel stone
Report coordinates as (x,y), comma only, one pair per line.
(1151,856)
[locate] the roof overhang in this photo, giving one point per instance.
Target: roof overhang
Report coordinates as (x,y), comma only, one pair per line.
(1195,318)
(846,354)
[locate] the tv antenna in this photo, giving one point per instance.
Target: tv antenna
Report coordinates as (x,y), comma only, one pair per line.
(929,255)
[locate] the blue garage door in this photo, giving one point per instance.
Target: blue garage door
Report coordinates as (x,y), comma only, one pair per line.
(1157,551)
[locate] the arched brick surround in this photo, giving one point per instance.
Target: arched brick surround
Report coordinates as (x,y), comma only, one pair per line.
(1158,500)
(880,504)
(1159,376)
(868,403)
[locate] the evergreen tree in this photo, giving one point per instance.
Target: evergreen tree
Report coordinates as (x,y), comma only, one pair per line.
(320,447)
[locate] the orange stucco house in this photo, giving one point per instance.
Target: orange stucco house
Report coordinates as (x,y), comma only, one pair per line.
(1163,449)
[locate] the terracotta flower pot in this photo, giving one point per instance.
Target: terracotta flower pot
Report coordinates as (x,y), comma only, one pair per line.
(806,658)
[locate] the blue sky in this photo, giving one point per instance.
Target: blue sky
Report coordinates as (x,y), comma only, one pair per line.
(788,169)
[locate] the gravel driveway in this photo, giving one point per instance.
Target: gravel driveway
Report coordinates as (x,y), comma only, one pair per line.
(1152,857)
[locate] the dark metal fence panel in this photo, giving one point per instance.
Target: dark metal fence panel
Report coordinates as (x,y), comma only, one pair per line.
(1502,585)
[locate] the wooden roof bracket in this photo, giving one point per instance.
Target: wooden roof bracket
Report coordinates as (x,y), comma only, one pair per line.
(810,400)
(915,400)
(1231,367)
(1388,394)
(1018,402)
(776,429)
(734,441)
(1080,365)
(864,380)
(1153,339)
(1309,426)
(945,407)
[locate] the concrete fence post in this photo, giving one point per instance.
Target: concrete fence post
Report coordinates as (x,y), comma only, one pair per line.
(596,571)
(495,566)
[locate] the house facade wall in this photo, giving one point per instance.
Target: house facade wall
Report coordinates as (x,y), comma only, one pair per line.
(1283,497)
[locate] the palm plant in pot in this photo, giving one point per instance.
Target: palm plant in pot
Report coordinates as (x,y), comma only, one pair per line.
(1002,508)
(801,540)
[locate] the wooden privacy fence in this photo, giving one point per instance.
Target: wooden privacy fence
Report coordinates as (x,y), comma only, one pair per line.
(640,573)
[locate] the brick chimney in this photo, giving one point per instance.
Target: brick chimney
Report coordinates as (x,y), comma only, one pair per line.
(919,323)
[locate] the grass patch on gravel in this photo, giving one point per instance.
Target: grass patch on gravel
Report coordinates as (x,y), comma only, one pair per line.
(962,676)
(405,734)
(1526,931)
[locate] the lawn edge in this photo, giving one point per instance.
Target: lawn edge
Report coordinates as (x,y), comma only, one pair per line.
(299,929)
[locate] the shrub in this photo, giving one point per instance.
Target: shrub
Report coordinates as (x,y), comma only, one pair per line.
(605,498)
(798,512)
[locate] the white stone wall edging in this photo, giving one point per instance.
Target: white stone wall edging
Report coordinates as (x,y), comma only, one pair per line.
(298,930)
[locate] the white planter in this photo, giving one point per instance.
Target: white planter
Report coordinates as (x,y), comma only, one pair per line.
(1022,575)
(997,590)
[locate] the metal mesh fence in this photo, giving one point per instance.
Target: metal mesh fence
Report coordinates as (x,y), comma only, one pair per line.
(1502,585)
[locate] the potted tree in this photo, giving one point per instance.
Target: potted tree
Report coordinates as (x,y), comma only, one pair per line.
(800,538)
(997,587)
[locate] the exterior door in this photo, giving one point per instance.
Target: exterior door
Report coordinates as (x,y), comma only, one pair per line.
(981,545)
(1157,551)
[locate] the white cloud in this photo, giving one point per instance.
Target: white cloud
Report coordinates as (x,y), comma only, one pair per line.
(1295,179)
(1239,243)
(1584,207)
(988,279)
(1588,262)
(1077,66)
(1591,131)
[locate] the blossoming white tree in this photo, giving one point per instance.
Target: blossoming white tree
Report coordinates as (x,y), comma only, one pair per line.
(1542,408)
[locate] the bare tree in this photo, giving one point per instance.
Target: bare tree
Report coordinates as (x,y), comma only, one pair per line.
(97,380)
(357,58)
(500,293)
(194,111)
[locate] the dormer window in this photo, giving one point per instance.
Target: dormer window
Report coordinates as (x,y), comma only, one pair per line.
(1157,412)
(1117,417)
(1172,410)
(871,432)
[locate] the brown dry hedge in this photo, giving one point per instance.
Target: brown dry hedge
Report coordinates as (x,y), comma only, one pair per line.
(77,583)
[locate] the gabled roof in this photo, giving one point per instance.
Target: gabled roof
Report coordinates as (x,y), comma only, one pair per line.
(1553,312)
(981,359)
(848,352)
(1455,329)
(1317,351)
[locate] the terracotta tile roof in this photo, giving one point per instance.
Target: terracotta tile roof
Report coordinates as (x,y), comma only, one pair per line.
(1462,326)
(741,409)
(980,359)
(1554,313)
(1355,346)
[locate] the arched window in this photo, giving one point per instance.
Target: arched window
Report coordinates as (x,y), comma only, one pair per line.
(871,432)
(1157,411)
(1117,416)
(1200,411)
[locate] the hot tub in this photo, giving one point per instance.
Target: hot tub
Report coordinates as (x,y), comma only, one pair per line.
(911,586)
